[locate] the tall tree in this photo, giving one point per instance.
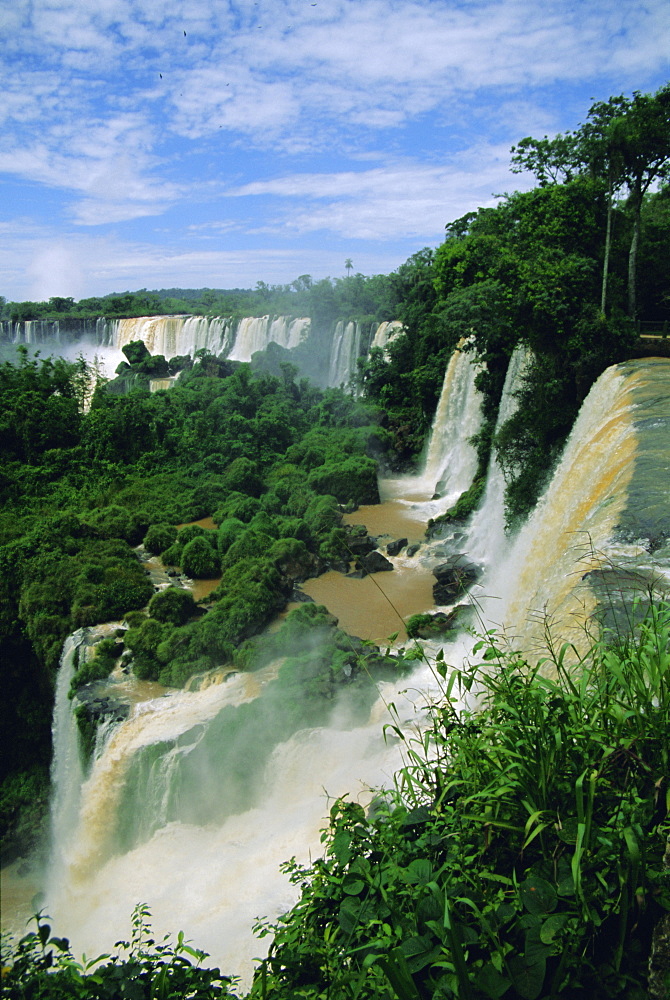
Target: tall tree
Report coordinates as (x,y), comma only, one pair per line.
(600,146)
(645,150)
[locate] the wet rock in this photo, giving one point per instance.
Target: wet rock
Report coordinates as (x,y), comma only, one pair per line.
(413,549)
(393,548)
(374,562)
(453,577)
(300,596)
(431,626)
(358,542)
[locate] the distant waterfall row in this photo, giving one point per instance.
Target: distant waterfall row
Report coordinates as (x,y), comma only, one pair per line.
(333,353)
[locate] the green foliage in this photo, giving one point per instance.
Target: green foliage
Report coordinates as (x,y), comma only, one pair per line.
(159,537)
(99,666)
(199,559)
(146,642)
(43,966)
(353,479)
(521,853)
(172,605)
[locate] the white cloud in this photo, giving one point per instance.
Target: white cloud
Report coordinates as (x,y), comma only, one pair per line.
(410,200)
(366,119)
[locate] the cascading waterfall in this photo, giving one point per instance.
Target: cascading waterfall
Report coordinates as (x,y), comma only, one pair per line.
(486,534)
(596,496)
(344,352)
(213,867)
(337,350)
(451,458)
(66,771)
(386,333)
(255,333)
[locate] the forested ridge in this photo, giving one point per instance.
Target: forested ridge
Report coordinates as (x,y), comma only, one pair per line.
(574,269)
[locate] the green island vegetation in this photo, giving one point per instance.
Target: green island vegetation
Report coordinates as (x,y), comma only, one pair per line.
(520,853)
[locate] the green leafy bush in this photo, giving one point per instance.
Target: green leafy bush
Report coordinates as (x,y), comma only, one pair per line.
(199,559)
(173,605)
(521,853)
(159,537)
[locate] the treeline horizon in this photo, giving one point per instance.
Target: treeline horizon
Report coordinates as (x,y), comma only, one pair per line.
(354,297)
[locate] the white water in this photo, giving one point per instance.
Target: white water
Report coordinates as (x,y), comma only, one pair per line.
(386,333)
(67,773)
(220,335)
(487,541)
(451,458)
(212,879)
(344,351)
(254,334)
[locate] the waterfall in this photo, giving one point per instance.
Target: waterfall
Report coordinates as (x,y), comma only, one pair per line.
(486,532)
(344,352)
(594,514)
(451,458)
(386,333)
(176,814)
(66,770)
(255,333)
(154,822)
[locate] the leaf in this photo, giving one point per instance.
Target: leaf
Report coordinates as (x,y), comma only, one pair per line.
(490,981)
(398,975)
(538,895)
(419,872)
(353,885)
(528,977)
(341,845)
(552,926)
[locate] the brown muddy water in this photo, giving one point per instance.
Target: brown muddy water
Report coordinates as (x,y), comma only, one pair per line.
(376,607)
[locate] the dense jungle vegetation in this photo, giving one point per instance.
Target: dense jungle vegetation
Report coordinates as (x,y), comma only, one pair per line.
(457,886)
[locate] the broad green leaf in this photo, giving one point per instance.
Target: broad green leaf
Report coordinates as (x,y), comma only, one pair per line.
(491,982)
(552,926)
(353,885)
(538,895)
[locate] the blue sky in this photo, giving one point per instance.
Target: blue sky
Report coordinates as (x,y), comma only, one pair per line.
(160,143)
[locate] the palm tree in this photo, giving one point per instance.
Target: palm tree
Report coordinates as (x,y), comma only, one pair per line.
(348,264)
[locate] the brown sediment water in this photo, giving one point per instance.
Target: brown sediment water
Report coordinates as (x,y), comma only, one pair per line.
(376,606)
(205,522)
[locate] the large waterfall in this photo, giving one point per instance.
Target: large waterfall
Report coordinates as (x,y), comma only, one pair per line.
(338,349)
(176,813)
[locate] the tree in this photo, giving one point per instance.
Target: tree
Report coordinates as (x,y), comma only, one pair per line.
(600,145)
(348,264)
(553,161)
(645,151)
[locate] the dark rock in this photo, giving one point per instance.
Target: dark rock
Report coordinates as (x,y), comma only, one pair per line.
(357,574)
(453,578)
(393,548)
(374,562)
(431,626)
(413,549)
(360,544)
(300,596)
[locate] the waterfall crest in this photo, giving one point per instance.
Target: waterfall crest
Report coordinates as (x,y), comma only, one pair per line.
(575,531)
